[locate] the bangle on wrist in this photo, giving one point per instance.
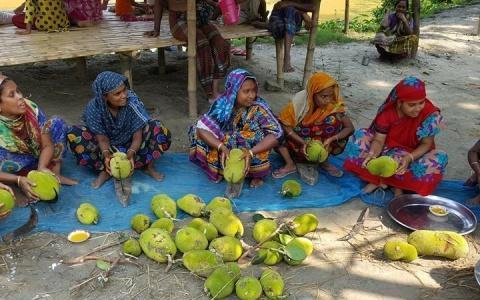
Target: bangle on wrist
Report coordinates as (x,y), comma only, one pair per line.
(411,156)
(251,153)
(18,180)
(475,163)
(134,152)
(219,146)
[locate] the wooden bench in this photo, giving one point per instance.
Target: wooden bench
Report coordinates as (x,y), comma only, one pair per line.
(125,38)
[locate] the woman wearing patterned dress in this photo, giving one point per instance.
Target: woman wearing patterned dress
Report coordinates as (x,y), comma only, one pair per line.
(404,129)
(43,15)
(238,119)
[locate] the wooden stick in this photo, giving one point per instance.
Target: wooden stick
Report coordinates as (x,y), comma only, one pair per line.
(241,260)
(192,56)
(308,70)
(80,260)
(162,66)
(280,53)
(347,16)
(249,47)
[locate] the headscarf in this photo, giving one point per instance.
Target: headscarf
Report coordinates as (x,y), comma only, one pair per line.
(218,116)
(404,134)
(22,135)
(129,119)
(302,108)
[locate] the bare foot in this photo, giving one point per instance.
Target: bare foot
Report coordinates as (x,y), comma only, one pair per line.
(67,181)
(397,192)
(474,201)
(150,170)
(256,182)
(369,188)
(288,69)
(102,177)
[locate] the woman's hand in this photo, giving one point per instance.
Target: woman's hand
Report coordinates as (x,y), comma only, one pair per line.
(328,141)
(304,149)
(247,155)
(7,188)
(224,153)
(132,163)
(405,161)
(152,33)
(106,163)
(26,186)
(368,158)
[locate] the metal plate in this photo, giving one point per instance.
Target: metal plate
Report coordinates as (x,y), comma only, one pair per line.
(412,211)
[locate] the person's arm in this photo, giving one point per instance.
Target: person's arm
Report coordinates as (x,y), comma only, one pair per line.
(104,145)
(22,182)
(346,131)
(29,17)
(46,152)
(376,147)
(213,142)
(406,25)
(267,143)
(136,143)
(474,159)
(157,19)
(425,145)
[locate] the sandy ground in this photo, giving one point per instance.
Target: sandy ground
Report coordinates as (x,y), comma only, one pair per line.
(448,60)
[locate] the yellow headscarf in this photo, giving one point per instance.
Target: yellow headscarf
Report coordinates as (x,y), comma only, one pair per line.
(302,109)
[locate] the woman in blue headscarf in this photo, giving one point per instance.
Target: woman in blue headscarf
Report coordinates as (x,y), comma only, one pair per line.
(115,119)
(238,119)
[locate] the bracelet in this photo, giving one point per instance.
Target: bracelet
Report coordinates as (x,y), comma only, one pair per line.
(219,146)
(336,138)
(134,152)
(251,153)
(18,180)
(475,163)
(411,156)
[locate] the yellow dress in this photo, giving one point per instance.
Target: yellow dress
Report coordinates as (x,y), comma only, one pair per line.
(47,15)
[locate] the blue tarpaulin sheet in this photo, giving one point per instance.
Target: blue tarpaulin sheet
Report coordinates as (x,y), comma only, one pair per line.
(183,177)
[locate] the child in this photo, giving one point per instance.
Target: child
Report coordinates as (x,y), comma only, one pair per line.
(43,15)
(316,113)
(116,118)
(286,20)
(474,179)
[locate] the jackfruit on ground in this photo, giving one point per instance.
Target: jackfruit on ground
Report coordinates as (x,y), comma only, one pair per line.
(221,282)
(132,247)
(248,288)
(268,250)
(164,223)
(140,222)
(218,202)
(399,250)
(205,227)
(163,206)
(272,284)
(446,244)
(189,238)
(305,244)
(87,214)
(201,262)
(226,222)
(157,244)
(192,205)
(291,188)
(303,224)
(263,229)
(229,248)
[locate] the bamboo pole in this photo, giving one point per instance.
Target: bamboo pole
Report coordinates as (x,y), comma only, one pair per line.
(280,53)
(249,47)
(307,71)
(126,61)
(191,54)
(416,24)
(162,66)
(347,16)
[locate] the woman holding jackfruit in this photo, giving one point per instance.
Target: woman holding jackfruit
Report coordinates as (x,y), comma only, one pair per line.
(403,129)
(316,113)
(238,119)
(28,140)
(116,120)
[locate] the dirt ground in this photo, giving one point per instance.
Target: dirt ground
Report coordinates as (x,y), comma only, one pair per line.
(449,62)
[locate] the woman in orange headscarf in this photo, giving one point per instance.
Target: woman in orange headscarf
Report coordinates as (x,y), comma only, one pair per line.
(317,113)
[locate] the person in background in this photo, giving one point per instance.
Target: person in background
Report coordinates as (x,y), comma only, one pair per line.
(84,13)
(42,15)
(474,179)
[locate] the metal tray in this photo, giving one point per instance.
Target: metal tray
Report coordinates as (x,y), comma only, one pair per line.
(412,211)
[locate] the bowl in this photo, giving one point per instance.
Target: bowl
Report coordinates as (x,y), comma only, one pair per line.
(438,210)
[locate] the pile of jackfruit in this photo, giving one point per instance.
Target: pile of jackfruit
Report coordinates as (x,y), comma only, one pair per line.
(210,245)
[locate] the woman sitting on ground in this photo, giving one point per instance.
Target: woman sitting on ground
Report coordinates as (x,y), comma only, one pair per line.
(238,119)
(43,15)
(317,113)
(404,129)
(213,52)
(396,38)
(28,140)
(116,120)
(474,179)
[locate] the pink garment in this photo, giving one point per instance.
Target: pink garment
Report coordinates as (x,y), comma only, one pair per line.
(83,10)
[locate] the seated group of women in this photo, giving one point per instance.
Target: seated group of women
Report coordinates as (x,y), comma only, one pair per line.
(115,119)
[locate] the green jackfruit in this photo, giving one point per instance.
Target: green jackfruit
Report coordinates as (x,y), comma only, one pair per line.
(400,250)
(132,247)
(87,214)
(201,262)
(263,229)
(229,248)
(272,284)
(221,282)
(383,166)
(303,224)
(163,223)
(120,166)
(226,222)
(446,244)
(189,238)
(192,205)
(316,152)
(47,186)
(291,188)
(234,171)
(205,227)
(305,244)
(157,244)
(8,201)
(272,257)
(140,223)
(248,288)
(219,202)
(163,206)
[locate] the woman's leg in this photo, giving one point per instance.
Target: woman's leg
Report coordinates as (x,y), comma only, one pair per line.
(289,166)
(293,22)
(205,157)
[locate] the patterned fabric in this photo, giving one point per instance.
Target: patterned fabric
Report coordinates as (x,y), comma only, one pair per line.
(84,10)
(242,128)
(46,15)
(213,52)
(156,139)
(286,20)
(403,135)
(23,135)
(22,162)
(393,36)
(129,119)
(302,108)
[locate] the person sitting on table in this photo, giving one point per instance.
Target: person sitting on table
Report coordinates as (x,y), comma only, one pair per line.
(42,15)
(474,179)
